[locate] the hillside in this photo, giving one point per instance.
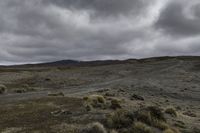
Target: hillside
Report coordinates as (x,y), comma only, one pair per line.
(53,96)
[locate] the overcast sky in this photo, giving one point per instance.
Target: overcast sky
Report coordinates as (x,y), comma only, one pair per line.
(49,30)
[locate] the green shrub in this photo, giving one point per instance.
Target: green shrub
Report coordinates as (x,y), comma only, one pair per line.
(139,127)
(94,128)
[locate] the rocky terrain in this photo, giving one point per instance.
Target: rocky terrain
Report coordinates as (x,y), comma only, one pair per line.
(154,95)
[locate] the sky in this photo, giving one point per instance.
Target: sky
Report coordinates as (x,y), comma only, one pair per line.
(49,30)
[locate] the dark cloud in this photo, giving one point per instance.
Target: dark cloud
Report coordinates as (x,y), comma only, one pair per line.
(47,30)
(180,18)
(103,8)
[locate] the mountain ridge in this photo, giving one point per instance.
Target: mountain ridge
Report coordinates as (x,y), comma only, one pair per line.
(69,62)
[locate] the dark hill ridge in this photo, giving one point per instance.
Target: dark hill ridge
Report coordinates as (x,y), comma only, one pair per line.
(106,62)
(71,63)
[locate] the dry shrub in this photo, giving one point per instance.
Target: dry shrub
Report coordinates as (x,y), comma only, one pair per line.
(120,119)
(196,130)
(156,113)
(115,104)
(171,130)
(88,107)
(20,91)
(56,94)
(3,89)
(85,98)
(137,97)
(171,111)
(96,101)
(94,128)
(101,99)
(152,116)
(190,113)
(161,125)
(25,88)
(113,131)
(139,127)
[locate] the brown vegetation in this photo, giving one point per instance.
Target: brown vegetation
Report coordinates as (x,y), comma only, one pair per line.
(94,128)
(139,127)
(171,111)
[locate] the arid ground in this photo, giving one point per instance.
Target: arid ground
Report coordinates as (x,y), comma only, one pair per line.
(155,95)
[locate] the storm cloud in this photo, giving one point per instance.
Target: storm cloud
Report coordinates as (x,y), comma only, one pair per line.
(48,30)
(181,18)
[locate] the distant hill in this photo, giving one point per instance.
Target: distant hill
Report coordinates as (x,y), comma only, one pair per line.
(70,63)
(60,63)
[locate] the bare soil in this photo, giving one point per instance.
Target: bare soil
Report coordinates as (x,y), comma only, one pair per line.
(166,82)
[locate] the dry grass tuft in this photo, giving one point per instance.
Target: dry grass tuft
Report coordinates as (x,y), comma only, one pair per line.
(85,98)
(95,101)
(156,113)
(139,127)
(94,128)
(161,125)
(88,107)
(171,111)
(115,104)
(171,130)
(20,91)
(152,116)
(113,131)
(120,119)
